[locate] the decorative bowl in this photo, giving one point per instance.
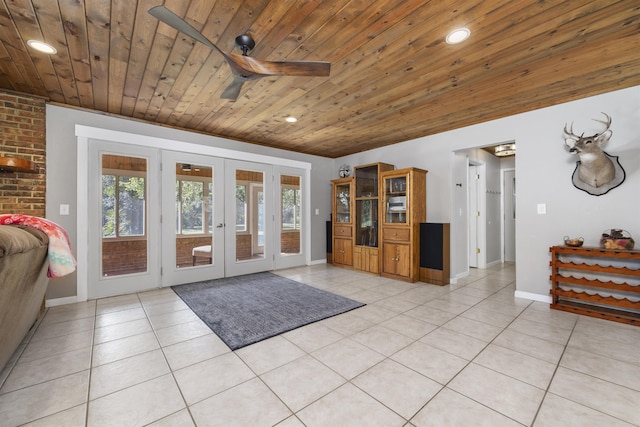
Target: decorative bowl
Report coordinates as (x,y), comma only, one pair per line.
(616,239)
(575,242)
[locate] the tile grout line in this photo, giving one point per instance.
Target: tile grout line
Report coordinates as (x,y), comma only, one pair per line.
(93,336)
(161,347)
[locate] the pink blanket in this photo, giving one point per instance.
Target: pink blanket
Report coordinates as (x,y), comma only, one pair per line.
(61,260)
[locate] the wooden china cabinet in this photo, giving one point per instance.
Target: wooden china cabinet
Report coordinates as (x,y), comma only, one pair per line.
(342,221)
(403,194)
(367,213)
(376,218)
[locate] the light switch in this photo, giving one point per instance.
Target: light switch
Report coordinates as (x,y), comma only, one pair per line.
(542,209)
(64,209)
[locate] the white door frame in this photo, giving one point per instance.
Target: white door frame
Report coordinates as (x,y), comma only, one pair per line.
(86,135)
(254,189)
(504,233)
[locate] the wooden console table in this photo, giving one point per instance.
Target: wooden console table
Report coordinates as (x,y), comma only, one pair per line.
(584,295)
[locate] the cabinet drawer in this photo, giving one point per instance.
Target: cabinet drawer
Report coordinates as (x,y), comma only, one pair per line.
(342,231)
(400,234)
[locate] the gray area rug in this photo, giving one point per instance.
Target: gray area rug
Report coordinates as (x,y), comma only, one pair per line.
(243,310)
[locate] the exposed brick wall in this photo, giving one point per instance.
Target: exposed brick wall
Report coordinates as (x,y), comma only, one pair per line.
(184,247)
(123,256)
(243,246)
(290,242)
(129,256)
(22,136)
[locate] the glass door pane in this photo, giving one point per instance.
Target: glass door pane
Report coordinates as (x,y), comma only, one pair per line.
(343,203)
(249,215)
(249,211)
(291,214)
(395,194)
(367,222)
(257,222)
(194,208)
(367,181)
(124,213)
(292,217)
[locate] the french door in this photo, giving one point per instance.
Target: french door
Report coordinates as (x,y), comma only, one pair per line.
(159,218)
(249,218)
(193,223)
(123,232)
(291,216)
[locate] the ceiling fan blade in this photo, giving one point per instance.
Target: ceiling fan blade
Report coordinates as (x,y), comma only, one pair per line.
(171,19)
(233,90)
(280,68)
(244,68)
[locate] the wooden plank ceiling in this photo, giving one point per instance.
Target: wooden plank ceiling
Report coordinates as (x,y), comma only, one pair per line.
(393,77)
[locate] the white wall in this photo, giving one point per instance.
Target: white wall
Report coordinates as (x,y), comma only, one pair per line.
(62,165)
(543,173)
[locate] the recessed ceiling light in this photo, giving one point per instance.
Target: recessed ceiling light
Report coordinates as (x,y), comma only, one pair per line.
(291,119)
(458,35)
(42,46)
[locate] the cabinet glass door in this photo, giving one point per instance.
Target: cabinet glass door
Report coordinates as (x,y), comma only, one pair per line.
(395,200)
(367,222)
(367,181)
(343,203)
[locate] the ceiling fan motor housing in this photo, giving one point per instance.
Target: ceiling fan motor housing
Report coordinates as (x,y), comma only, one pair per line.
(246,43)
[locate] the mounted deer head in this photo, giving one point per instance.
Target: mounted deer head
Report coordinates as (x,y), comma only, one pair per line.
(595,168)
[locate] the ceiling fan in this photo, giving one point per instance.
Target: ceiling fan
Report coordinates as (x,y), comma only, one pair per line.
(243,67)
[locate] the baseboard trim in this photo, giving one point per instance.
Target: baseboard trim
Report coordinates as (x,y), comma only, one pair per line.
(318,262)
(492,263)
(461,275)
(61,301)
(534,297)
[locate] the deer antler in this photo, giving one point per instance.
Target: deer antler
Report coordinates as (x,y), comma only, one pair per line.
(607,123)
(570,132)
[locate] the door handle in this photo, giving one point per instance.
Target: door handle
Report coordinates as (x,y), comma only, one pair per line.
(220,225)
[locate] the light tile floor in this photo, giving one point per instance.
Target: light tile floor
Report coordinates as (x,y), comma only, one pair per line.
(417,355)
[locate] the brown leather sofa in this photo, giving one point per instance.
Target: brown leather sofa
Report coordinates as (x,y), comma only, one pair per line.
(23,283)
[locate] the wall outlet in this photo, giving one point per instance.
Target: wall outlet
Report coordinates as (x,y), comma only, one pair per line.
(64,209)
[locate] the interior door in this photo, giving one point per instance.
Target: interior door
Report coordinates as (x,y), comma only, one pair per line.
(193,218)
(250,216)
(123,219)
(509,195)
